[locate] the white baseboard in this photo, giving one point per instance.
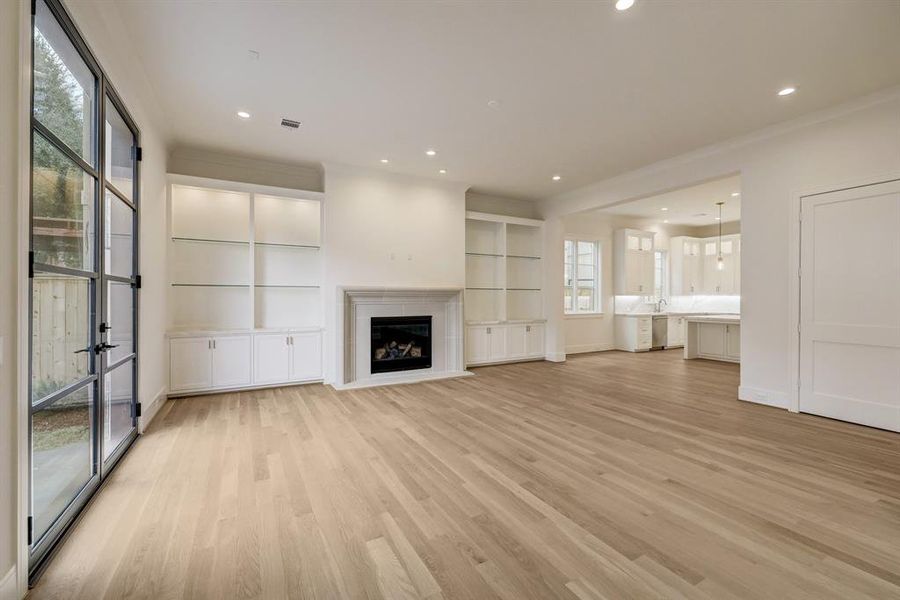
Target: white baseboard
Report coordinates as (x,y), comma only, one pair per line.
(579,348)
(8,586)
(762,396)
(556,357)
(149,411)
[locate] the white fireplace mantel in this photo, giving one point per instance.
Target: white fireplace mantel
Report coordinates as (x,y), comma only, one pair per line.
(359,304)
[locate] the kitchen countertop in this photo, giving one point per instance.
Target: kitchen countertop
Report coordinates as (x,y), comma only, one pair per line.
(727,319)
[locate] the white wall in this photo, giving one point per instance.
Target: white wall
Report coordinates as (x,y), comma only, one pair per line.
(9,259)
(498,205)
(215,165)
(388,230)
(844,146)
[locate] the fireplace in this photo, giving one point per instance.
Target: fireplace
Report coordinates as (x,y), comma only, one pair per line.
(400,344)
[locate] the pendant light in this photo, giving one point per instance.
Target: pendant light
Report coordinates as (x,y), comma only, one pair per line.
(720,260)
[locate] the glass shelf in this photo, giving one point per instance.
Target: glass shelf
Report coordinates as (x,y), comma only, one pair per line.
(523,256)
(484,254)
(209,241)
(278,245)
(219,285)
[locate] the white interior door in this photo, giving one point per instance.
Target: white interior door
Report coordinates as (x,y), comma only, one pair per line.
(850,305)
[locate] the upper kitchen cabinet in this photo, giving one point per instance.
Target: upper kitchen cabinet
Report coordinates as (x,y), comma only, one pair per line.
(724,280)
(687,266)
(634,258)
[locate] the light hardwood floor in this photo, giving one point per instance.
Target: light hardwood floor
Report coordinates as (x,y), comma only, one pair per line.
(612,475)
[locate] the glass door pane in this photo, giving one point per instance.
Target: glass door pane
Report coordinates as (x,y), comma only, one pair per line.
(118,411)
(119,152)
(62,461)
(117,328)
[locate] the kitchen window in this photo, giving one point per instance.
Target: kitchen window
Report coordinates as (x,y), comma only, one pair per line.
(582,277)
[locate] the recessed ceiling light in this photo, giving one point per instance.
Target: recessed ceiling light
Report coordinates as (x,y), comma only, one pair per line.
(787,91)
(384,161)
(442,171)
(431,152)
(664,208)
(624,4)
(718,219)
(495,104)
(665,220)
(243,114)
(557,177)
(735,194)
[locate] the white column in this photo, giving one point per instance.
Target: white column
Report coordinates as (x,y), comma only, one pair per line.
(554,238)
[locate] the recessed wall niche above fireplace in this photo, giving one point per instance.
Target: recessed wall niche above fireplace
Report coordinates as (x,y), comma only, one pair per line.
(400,343)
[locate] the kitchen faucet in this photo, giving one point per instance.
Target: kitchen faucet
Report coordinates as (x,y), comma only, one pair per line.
(659,304)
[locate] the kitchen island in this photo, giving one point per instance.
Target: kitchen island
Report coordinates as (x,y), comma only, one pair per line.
(714,337)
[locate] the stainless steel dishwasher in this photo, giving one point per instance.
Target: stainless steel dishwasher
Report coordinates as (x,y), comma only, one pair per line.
(660,332)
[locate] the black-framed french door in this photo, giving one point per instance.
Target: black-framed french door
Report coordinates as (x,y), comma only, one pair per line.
(83,258)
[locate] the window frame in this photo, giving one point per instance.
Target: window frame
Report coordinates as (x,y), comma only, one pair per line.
(596,309)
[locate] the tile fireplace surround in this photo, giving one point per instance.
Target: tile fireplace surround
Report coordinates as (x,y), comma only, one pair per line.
(359,304)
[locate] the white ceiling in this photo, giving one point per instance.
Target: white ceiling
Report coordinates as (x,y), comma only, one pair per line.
(695,205)
(584,90)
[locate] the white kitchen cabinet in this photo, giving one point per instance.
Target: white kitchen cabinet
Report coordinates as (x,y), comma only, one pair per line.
(675,332)
(733,342)
(634,333)
(634,262)
(713,338)
(231,361)
(208,363)
(190,364)
(724,281)
(271,358)
(504,342)
(686,266)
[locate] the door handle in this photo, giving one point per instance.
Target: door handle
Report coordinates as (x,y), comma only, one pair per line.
(88,349)
(104,347)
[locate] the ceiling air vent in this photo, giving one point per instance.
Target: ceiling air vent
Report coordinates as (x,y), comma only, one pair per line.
(290,124)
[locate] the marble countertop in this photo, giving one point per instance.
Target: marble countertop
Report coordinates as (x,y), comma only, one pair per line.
(727,319)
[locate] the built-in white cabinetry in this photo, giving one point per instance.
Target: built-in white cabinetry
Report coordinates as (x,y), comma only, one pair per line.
(686,266)
(714,338)
(675,332)
(695,266)
(634,269)
(504,288)
(246,268)
(506,342)
(634,333)
(202,363)
(287,357)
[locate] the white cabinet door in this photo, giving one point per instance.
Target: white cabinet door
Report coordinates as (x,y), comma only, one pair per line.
(271,358)
(648,272)
(306,356)
(477,345)
(534,340)
(190,364)
(711,339)
(515,341)
(733,342)
(497,343)
(231,361)
(633,273)
(675,332)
